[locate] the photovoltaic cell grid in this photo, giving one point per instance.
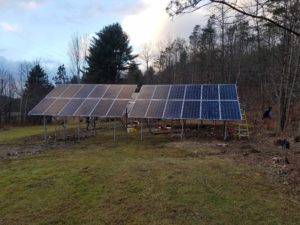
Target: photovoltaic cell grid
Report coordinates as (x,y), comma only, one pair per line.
(95,100)
(203,102)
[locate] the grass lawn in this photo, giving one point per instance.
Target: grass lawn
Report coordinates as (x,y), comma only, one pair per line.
(133,182)
(18,133)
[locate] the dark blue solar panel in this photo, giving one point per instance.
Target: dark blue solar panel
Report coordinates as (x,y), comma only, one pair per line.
(228,92)
(193,92)
(230,110)
(210,110)
(191,110)
(173,110)
(161,92)
(177,92)
(210,92)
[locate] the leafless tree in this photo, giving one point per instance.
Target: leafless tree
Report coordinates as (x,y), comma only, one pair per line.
(78,51)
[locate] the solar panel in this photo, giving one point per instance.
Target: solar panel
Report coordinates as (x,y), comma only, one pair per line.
(71,90)
(126,92)
(228,92)
(146,92)
(173,110)
(71,107)
(161,92)
(193,101)
(210,92)
(102,108)
(40,108)
(85,91)
(56,92)
(99,91)
(118,108)
(230,110)
(86,100)
(140,108)
(156,109)
(56,107)
(177,92)
(193,92)
(86,107)
(113,91)
(191,110)
(210,110)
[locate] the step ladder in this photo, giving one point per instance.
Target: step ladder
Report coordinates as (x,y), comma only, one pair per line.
(242,126)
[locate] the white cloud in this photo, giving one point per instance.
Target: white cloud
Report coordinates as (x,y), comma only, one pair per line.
(30,4)
(9,27)
(153,25)
(23,4)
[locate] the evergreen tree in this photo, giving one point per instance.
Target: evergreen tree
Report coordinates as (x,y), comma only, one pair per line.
(110,54)
(37,86)
(134,75)
(61,77)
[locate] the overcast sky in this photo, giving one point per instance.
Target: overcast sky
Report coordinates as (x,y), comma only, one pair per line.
(41,29)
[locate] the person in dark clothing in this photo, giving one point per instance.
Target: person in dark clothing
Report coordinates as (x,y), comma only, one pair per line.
(268,113)
(267,117)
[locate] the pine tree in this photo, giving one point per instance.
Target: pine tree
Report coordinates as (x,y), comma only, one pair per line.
(110,54)
(37,86)
(61,77)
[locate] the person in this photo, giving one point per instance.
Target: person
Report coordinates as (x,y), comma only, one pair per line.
(267,117)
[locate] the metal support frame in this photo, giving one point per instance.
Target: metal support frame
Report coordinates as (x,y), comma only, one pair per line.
(78,129)
(114,130)
(64,129)
(182,129)
(45,130)
(141,130)
(225,131)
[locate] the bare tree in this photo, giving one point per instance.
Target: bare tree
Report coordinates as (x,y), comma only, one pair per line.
(176,7)
(24,69)
(78,51)
(147,55)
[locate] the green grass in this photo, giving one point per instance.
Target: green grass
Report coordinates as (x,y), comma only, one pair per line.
(16,133)
(133,182)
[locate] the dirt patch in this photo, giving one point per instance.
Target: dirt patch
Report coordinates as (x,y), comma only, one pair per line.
(42,183)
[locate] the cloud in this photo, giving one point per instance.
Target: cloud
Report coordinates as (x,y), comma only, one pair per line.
(22,4)
(151,24)
(9,27)
(30,4)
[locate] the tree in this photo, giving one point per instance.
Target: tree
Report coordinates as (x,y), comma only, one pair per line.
(37,86)
(134,75)
(176,7)
(110,54)
(61,77)
(78,51)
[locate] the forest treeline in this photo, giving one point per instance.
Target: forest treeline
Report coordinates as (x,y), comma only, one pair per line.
(262,58)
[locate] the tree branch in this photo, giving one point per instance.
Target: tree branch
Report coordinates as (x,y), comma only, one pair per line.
(258,17)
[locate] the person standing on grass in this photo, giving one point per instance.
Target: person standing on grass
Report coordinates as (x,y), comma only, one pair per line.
(267,117)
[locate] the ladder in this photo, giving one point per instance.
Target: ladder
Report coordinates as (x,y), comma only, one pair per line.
(243,127)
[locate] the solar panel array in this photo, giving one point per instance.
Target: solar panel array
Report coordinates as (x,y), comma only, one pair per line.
(203,102)
(84,100)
